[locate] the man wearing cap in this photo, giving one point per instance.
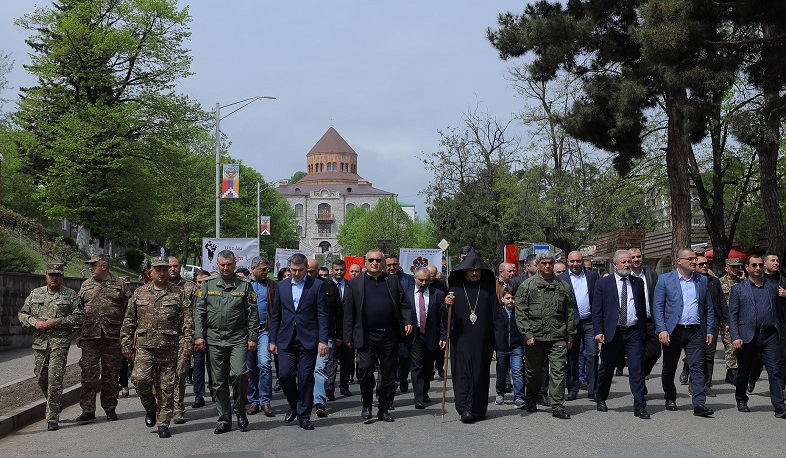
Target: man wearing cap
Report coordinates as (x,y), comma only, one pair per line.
(53,311)
(105,298)
(157,326)
(733,276)
(183,357)
(226,313)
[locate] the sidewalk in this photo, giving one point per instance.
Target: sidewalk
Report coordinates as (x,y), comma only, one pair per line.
(17,365)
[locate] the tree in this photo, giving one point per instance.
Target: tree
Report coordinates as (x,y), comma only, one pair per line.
(104,106)
(362,230)
(296,177)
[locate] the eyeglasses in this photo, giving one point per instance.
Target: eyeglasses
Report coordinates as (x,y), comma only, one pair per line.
(756,264)
(263,269)
(690,259)
(702,264)
(369,260)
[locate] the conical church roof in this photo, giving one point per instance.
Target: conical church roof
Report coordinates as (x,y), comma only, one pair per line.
(332,142)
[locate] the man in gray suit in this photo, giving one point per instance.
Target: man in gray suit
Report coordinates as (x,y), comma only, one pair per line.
(754,327)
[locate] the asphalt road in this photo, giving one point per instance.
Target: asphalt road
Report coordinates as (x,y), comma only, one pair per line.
(506,431)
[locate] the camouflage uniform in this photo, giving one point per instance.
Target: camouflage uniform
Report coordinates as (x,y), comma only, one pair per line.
(154,325)
(728,348)
(183,362)
(105,304)
(51,346)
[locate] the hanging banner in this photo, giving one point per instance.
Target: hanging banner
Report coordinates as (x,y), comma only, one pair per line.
(350,260)
(283,254)
(264,225)
(411,259)
(244,250)
(230,184)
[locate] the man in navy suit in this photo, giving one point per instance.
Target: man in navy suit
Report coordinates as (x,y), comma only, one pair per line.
(393,267)
(754,327)
(684,319)
(423,342)
(619,317)
(298,331)
(582,283)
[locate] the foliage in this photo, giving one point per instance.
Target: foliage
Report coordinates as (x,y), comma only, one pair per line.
(14,255)
(297,176)
(362,230)
(134,258)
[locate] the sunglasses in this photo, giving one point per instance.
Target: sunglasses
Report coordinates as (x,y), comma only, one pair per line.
(373,260)
(702,264)
(756,264)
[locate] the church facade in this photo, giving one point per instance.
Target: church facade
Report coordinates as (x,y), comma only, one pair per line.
(330,188)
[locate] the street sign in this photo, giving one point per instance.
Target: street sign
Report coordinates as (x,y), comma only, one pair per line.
(443,244)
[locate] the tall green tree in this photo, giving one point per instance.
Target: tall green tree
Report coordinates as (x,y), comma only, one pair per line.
(362,230)
(104,106)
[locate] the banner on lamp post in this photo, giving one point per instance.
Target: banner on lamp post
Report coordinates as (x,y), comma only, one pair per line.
(230,183)
(264,225)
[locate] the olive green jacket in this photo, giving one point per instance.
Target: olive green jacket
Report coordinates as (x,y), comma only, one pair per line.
(544,309)
(226,311)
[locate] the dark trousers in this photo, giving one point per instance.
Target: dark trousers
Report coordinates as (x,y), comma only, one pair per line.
(381,347)
(200,364)
(297,377)
(404,364)
(584,333)
(652,348)
(628,342)
(422,363)
(692,340)
(766,345)
(346,365)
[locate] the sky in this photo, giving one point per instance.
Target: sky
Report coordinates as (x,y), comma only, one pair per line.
(388,76)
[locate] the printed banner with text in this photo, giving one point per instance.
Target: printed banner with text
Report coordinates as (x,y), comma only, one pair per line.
(411,259)
(244,250)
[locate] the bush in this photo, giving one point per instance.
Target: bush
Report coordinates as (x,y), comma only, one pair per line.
(15,256)
(134,258)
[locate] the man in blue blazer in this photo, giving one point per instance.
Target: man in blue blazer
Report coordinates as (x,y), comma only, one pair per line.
(684,319)
(619,317)
(298,331)
(423,342)
(754,326)
(582,283)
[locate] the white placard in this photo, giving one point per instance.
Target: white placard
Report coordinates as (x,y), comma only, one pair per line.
(411,259)
(244,250)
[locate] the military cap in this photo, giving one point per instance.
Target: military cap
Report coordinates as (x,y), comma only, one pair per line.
(96,258)
(159,261)
(54,268)
(734,262)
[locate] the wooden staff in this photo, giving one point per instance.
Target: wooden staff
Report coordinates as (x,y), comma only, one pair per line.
(447,351)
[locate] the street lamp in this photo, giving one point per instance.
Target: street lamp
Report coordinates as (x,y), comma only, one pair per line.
(245,103)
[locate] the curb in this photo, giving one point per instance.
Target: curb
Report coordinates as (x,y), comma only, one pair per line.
(36,411)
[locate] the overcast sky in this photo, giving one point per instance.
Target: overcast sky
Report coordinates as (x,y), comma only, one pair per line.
(388,74)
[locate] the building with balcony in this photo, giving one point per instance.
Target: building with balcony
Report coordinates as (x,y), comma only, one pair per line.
(331,188)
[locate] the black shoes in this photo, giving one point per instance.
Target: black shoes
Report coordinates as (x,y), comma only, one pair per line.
(420,405)
(751,386)
(702,411)
(242,421)
(366,413)
(467,417)
(85,417)
(561,414)
(385,416)
(591,396)
(163,432)
(543,400)
(345,392)
(306,424)
(291,414)
(321,410)
(404,385)
(571,396)
(330,394)
(601,406)
(150,419)
(742,406)
(618,372)
(277,386)
(111,415)
(671,405)
(52,426)
(426,398)
(684,376)
(731,376)
(198,402)
(641,414)
(222,428)
(531,407)
(780,411)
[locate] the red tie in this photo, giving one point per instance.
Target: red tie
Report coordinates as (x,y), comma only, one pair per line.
(422,307)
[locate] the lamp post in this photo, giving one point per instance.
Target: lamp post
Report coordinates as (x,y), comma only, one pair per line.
(245,103)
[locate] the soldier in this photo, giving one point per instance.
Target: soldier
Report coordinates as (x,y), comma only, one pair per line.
(53,311)
(105,298)
(226,312)
(183,357)
(732,277)
(158,325)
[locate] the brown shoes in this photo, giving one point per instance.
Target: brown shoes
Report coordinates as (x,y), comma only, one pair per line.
(252,410)
(267,410)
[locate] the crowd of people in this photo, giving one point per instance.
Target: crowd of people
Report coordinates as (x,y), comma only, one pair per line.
(555,329)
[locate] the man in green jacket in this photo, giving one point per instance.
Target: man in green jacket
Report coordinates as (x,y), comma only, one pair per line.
(227,305)
(544,316)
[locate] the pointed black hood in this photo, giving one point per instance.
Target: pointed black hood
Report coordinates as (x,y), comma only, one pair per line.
(472,261)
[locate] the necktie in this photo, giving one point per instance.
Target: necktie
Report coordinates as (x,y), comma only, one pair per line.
(340,290)
(623,304)
(422,307)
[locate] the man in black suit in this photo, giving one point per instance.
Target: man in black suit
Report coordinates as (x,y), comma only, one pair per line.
(755,327)
(652,347)
(325,372)
(393,267)
(376,319)
(619,318)
(423,342)
(582,283)
(345,355)
(298,332)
